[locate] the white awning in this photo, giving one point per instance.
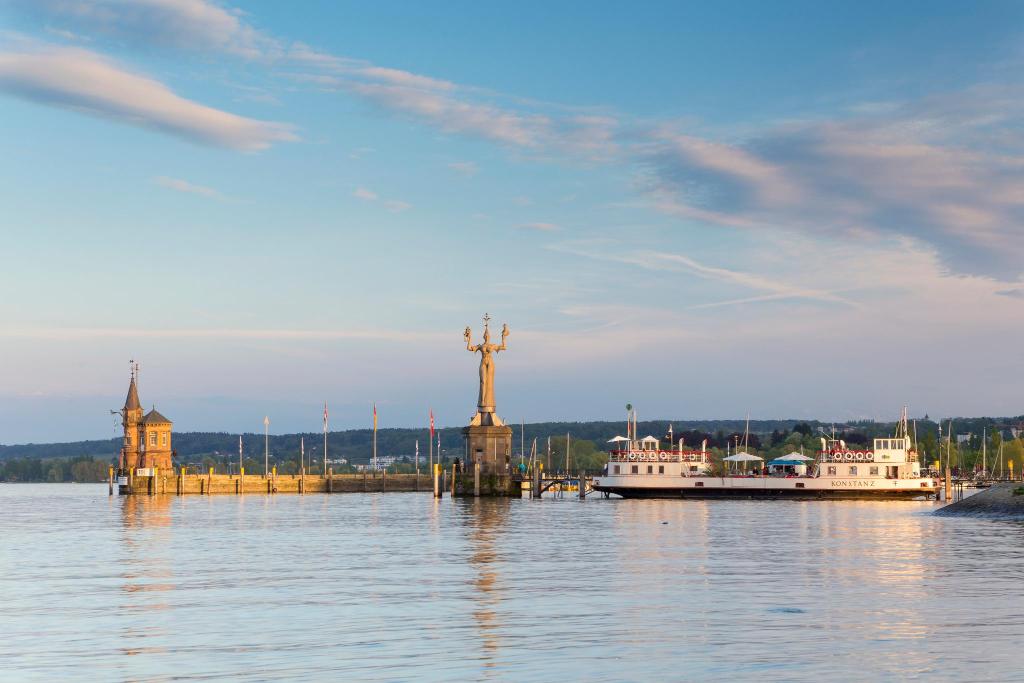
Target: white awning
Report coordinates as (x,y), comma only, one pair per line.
(618,439)
(742,457)
(648,439)
(793,456)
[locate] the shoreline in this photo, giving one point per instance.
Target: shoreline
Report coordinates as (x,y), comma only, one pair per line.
(998,500)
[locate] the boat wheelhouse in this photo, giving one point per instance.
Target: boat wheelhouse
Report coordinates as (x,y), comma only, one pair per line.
(651,456)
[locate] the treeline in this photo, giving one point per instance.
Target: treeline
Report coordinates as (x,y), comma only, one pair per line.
(82,469)
(356,445)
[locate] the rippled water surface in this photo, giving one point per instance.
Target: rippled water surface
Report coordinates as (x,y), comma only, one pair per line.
(399,586)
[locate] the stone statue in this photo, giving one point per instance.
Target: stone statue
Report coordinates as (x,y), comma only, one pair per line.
(485,402)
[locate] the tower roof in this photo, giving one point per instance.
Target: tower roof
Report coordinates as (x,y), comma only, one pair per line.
(132,401)
(153,417)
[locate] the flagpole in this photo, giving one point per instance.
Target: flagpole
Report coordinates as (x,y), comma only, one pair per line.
(325,439)
(374,437)
(417,457)
(431,442)
(302,455)
(266,447)
(239,455)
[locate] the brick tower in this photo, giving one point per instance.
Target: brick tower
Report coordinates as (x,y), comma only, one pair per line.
(147,438)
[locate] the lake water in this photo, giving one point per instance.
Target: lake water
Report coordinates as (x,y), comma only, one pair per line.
(396,587)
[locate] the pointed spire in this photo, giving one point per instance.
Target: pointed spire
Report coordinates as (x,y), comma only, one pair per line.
(132,400)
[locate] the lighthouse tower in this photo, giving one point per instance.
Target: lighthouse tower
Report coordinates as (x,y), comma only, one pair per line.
(131,420)
(147,438)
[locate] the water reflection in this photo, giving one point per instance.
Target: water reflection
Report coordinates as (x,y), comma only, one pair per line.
(147,574)
(485,520)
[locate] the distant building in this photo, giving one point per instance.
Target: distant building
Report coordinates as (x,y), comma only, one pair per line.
(147,438)
(963,438)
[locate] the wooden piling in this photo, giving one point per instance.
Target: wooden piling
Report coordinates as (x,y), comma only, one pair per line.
(437,480)
(583,486)
(330,480)
(454,477)
(110,477)
(476,479)
(948,488)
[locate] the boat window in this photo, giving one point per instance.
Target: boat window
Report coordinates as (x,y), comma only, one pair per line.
(650,469)
(616,469)
(636,469)
(832,470)
(853,469)
(873,471)
(661,469)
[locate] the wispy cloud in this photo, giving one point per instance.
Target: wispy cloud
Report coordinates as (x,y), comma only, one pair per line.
(540,227)
(85,81)
(662,261)
(392,205)
(187,24)
(189,188)
(465,168)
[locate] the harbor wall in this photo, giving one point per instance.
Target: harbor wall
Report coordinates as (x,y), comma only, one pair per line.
(233,484)
(999,500)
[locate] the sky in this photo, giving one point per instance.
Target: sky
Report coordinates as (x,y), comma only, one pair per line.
(708,210)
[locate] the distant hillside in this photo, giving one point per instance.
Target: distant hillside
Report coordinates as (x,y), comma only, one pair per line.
(355,444)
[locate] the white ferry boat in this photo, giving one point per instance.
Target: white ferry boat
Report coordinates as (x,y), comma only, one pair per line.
(889,470)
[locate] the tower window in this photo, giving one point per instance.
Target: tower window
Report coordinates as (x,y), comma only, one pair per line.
(152,438)
(163,439)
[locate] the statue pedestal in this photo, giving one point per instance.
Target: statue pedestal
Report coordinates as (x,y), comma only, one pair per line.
(489,445)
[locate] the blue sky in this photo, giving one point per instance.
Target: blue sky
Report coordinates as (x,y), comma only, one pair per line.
(792,209)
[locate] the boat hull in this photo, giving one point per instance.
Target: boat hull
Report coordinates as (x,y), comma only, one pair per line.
(763,494)
(819,488)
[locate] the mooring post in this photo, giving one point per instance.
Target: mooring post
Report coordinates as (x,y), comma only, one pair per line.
(181,481)
(110,476)
(209,482)
(437,480)
(273,481)
(330,480)
(384,479)
(476,479)
(583,486)
(454,478)
(949,484)
(302,480)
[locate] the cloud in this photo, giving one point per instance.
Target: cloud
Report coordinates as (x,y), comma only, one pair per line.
(187,187)
(465,168)
(540,227)
(1012,293)
(85,81)
(392,205)
(184,24)
(892,174)
(663,261)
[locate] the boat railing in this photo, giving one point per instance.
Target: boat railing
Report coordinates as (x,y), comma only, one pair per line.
(657,456)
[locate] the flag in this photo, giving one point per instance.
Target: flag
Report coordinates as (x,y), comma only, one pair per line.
(325,416)
(431,424)
(374,417)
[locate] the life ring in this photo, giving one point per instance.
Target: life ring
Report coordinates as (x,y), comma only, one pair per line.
(848,456)
(664,457)
(632,456)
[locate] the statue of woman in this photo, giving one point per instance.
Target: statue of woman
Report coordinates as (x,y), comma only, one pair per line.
(485,402)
